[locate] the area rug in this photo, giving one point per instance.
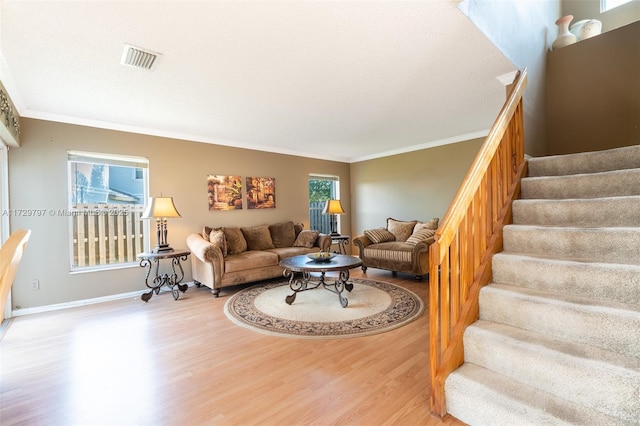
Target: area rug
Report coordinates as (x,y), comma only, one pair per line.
(374,307)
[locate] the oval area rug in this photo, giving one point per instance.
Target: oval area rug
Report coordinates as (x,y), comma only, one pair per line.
(374,307)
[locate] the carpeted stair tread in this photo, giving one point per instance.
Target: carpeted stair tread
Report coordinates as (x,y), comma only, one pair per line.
(586,162)
(610,244)
(607,325)
(595,185)
(589,212)
(605,381)
(478,396)
(561,318)
(601,281)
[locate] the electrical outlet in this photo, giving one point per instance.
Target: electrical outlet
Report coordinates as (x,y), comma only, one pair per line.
(35,284)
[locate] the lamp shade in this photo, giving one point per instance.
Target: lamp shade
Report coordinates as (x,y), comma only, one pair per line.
(333,207)
(160,207)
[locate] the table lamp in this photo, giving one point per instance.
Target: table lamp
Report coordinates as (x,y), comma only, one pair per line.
(160,208)
(333,207)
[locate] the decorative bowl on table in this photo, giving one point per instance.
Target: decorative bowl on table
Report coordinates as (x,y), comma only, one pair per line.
(323,256)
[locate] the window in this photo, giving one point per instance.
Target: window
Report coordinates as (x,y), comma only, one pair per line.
(610,4)
(321,189)
(107,194)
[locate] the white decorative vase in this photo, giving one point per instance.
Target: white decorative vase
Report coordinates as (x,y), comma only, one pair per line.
(586,28)
(565,37)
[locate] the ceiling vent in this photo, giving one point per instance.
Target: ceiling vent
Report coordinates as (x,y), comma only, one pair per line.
(138,58)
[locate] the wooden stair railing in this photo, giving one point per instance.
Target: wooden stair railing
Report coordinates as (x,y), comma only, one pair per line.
(468,236)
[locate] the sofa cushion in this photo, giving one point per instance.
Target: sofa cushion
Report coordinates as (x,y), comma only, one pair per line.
(402,229)
(252,259)
(285,252)
(432,224)
(306,239)
(217,238)
(392,251)
(235,240)
(422,234)
(257,237)
(379,235)
(283,234)
(206,231)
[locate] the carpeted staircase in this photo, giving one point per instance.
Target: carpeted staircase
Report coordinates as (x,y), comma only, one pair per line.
(558,339)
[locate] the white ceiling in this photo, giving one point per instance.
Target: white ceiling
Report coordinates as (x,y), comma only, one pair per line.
(337,80)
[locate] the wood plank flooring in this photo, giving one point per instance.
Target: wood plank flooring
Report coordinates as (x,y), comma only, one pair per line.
(183,362)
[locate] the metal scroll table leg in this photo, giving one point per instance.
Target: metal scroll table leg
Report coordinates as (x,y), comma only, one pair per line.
(344,277)
(146,263)
(296,284)
(301,283)
(170,280)
(175,281)
(341,285)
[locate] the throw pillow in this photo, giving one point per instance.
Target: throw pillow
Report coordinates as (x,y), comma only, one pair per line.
(283,234)
(423,234)
(400,228)
(298,228)
(217,238)
(379,235)
(432,224)
(235,240)
(206,231)
(306,239)
(258,238)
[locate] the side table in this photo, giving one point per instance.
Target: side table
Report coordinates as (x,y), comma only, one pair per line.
(170,280)
(342,241)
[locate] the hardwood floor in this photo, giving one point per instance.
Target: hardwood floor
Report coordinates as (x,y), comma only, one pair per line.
(183,362)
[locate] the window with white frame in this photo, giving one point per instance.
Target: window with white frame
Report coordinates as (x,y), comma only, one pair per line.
(107,194)
(606,5)
(321,189)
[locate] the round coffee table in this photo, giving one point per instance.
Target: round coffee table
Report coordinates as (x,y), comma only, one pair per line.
(307,266)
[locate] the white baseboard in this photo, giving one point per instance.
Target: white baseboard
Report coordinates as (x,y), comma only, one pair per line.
(76,303)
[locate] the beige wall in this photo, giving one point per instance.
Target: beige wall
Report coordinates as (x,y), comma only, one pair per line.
(612,19)
(416,185)
(593,98)
(38,179)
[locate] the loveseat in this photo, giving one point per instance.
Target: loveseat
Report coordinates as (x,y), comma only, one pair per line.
(402,246)
(227,256)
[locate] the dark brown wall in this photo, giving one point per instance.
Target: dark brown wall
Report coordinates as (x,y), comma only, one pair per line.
(593,93)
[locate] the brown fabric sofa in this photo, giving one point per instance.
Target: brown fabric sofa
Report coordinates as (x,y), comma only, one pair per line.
(403,246)
(222,257)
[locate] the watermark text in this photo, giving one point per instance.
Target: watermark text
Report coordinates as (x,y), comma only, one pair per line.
(66,212)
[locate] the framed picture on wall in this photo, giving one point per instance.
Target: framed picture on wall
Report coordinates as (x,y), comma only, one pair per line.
(261,193)
(224,192)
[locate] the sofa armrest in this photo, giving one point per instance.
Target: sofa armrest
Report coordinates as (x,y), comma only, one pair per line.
(423,245)
(420,255)
(204,252)
(324,242)
(361,241)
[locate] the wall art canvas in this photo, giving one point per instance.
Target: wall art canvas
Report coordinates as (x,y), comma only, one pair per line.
(224,192)
(261,193)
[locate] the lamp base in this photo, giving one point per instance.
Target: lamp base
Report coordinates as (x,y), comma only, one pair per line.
(162,248)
